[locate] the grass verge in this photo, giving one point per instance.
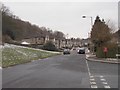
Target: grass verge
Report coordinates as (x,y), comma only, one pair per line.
(13,55)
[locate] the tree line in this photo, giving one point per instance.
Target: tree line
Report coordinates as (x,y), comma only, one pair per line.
(15,29)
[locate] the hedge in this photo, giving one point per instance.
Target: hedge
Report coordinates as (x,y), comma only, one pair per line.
(112,51)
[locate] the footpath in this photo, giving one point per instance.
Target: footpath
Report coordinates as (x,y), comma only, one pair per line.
(92,57)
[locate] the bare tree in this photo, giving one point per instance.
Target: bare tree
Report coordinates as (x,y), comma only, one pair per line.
(5,10)
(59,35)
(112,26)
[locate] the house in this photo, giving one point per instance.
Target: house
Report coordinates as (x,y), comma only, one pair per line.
(34,40)
(58,43)
(85,42)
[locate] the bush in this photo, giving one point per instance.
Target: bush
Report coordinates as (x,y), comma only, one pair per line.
(112,51)
(118,51)
(49,46)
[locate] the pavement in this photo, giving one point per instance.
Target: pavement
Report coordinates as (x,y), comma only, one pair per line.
(92,57)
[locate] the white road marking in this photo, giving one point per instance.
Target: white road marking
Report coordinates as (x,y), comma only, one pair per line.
(104,82)
(91,76)
(88,68)
(101,76)
(92,79)
(0,67)
(93,83)
(94,86)
(102,79)
(107,86)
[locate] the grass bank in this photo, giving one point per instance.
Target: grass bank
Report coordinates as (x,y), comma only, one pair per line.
(13,55)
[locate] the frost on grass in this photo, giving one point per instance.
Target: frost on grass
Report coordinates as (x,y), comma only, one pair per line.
(13,54)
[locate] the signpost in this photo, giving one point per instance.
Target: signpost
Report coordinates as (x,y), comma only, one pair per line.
(105,50)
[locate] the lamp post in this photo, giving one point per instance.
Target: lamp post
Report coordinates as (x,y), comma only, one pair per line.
(90,18)
(91,21)
(66,43)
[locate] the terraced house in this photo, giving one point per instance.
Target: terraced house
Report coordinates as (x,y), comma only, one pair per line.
(59,43)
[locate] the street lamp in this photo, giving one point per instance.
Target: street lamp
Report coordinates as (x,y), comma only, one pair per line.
(90,18)
(66,43)
(91,25)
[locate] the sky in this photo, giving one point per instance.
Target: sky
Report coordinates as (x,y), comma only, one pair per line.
(65,16)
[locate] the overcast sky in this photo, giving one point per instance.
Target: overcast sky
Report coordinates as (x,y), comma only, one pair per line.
(65,16)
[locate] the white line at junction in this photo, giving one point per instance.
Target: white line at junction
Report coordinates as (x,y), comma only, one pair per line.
(88,68)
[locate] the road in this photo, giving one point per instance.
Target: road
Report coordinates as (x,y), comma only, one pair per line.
(63,71)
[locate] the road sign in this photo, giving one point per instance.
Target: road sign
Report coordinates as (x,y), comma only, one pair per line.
(105,49)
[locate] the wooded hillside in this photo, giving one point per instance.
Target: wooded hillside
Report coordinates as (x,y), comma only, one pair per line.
(16,29)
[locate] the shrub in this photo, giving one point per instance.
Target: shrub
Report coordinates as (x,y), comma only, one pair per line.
(49,46)
(112,51)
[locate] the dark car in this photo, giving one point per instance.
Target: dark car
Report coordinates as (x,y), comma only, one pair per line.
(81,51)
(66,51)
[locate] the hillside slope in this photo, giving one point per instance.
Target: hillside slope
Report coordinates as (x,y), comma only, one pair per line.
(13,54)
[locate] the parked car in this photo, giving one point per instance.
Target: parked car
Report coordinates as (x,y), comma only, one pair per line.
(66,51)
(81,51)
